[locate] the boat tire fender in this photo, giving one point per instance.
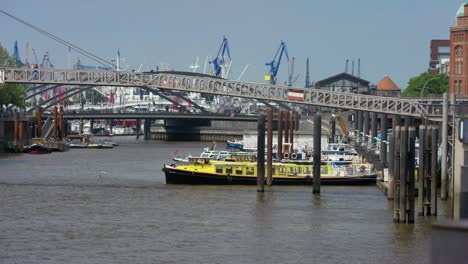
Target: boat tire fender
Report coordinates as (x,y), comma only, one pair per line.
(294,156)
(362,168)
(286,155)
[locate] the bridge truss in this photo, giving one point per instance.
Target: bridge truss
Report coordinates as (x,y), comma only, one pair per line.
(209,85)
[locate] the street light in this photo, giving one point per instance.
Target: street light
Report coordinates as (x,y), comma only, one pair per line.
(424,86)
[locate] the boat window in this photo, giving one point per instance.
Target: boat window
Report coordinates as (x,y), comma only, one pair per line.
(308,170)
(249,171)
(299,170)
(281,170)
(323,170)
(239,171)
(219,169)
(228,169)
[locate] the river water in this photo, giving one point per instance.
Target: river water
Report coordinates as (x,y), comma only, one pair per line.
(113,206)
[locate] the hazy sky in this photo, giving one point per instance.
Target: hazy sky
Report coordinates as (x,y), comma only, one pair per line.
(391,37)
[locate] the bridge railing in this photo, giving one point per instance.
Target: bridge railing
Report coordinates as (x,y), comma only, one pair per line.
(217,86)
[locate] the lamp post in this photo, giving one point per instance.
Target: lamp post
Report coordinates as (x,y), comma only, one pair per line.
(424,86)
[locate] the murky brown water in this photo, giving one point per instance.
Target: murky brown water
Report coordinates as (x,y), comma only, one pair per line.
(113,206)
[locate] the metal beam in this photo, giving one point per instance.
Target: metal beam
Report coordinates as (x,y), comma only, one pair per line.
(201,84)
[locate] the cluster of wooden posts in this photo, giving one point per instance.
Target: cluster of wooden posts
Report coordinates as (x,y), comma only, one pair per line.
(287,123)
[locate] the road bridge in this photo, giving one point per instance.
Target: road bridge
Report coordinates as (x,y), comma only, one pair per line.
(202,84)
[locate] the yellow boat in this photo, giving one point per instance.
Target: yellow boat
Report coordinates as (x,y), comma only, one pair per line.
(205,171)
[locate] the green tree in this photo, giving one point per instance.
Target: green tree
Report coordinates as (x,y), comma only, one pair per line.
(10,93)
(426,84)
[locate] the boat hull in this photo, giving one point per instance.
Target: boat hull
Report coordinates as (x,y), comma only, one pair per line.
(175,176)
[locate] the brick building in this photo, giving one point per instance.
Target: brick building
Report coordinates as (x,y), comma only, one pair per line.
(458,54)
(440,56)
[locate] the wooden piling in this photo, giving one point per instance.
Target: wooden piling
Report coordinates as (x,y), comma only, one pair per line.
(54,133)
(286,127)
(291,130)
(403,179)
(261,154)
(138,125)
(270,147)
(421,168)
(396,171)
(391,168)
(39,122)
(16,130)
(411,177)
(296,120)
(279,152)
(317,153)
(61,130)
(434,169)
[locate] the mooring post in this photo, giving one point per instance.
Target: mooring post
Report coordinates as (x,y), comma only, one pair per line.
(39,122)
(56,123)
(270,147)
(111,126)
(383,138)
(138,125)
(396,179)
(391,168)
(434,170)
(20,135)
(81,126)
(61,130)
(16,130)
(444,138)
(317,153)
(374,129)
(261,154)
(421,168)
(411,169)
(331,139)
(291,128)
(286,127)
(403,171)
(296,120)
(279,151)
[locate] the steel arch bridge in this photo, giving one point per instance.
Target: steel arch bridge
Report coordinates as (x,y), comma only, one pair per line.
(209,85)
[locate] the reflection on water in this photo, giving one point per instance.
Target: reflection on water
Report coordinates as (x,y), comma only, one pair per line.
(113,206)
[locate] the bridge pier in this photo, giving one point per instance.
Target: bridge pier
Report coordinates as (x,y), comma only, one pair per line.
(286,127)
(383,138)
(331,139)
(374,122)
(366,130)
(360,127)
(91,126)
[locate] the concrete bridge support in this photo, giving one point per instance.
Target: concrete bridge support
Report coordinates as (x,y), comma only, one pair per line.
(383,138)
(365,139)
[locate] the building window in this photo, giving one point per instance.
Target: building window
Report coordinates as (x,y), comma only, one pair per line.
(460,87)
(458,51)
(458,68)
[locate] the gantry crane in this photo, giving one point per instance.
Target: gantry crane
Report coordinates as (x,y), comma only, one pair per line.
(275,63)
(222,61)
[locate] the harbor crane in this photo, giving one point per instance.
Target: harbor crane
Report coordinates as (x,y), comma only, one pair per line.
(16,55)
(222,61)
(275,63)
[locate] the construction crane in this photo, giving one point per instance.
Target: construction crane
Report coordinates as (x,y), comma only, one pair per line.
(307,79)
(46,64)
(35,58)
(344,131)
(16,55)
(275,63)
(222,61)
